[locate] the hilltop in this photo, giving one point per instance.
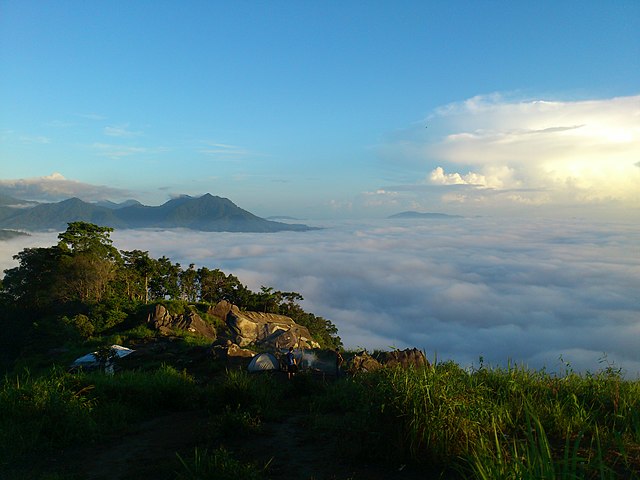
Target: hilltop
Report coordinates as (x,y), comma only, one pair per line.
(206,213)
(413,214)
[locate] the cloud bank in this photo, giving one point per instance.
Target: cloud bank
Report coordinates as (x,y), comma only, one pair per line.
(55,187)
(526,291)
(557,154)
(521,291)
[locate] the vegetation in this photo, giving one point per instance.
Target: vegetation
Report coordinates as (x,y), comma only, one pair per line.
(83,288)
(487,424)
(438,421)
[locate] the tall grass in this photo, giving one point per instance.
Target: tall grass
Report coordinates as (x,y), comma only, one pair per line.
(498,423)
(58,409)
(523,423)
(42,412)
(219,464)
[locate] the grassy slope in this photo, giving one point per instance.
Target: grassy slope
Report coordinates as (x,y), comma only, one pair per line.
(492,423)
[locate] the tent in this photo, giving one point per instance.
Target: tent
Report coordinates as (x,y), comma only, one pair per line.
(91,360)
(264,362)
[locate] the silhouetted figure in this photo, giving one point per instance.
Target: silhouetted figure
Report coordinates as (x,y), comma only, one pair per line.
(292,364)
(339,362)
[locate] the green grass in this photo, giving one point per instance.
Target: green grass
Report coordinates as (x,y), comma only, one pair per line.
(498,423)
(520,422)
(219,464)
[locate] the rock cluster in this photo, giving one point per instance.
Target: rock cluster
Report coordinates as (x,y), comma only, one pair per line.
(404,358)
(166,323)
(247,328)
(363,362)
(265,329)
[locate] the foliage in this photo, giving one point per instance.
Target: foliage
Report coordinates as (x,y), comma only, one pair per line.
(43,412)
(219,464)
(493,423)
(502,423)
(83,287)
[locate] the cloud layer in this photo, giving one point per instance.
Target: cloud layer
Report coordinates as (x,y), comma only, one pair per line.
(528,292)
(55,187)
(501,153)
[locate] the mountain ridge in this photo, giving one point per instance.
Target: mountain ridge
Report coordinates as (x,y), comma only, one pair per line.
(414,214)
(204,213)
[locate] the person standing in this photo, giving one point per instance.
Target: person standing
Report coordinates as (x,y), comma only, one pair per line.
(292,364)
(339,362)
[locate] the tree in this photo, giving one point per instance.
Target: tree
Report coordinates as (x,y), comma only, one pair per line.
(165,282)
(215,286)
(269,299)
(88,237)
(138,269)
(32,283)
(211,284)
(88,262)
(84,277)
(189,284)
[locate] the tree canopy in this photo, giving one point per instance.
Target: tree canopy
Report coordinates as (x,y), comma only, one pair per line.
(86,278)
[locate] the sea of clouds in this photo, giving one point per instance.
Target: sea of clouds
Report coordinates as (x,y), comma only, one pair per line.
(542,293)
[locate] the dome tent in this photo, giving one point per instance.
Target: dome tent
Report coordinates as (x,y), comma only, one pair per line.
(264,362)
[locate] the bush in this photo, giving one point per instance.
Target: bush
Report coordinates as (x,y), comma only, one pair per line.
(40,413)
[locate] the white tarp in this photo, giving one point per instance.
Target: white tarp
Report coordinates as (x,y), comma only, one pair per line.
(91,359)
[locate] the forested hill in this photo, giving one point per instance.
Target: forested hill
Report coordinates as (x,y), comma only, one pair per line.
(84,287)
(206,213)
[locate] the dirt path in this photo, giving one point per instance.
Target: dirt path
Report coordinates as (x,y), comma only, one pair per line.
(148,451)
(287,446)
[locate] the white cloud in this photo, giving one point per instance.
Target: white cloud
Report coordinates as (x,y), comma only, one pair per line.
(554,155)
(115,151)
(379,198)
(120,131)
(525,291)
(35,139)
(56,187)
(580,152)
(224,151)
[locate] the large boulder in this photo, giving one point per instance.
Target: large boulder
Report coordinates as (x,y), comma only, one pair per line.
(222,309)
(165,322)
(411,357)
(265,329)
(362,363)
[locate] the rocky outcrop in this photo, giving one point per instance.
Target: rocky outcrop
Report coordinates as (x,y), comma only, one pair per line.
(411,357)
(264,329)
(165,322)
(229,351)
(362,363)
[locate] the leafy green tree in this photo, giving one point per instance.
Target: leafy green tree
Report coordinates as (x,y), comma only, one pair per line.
(138,269)
(32,283)
(189,284)
(84,277)
(215,286)
(165,282)
(88,263)
(88,237)
(268,300)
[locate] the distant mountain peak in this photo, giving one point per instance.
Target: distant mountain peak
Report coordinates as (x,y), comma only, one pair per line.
(414,214)
(205,213)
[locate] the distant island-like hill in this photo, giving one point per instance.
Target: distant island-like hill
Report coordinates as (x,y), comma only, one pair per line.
(206,213)
(412,214)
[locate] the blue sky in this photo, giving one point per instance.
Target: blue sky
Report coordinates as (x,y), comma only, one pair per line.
(319,109)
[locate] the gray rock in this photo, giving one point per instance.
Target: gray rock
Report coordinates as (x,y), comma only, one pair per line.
(265,329)
(362,363)
(404,358)
(167,323)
